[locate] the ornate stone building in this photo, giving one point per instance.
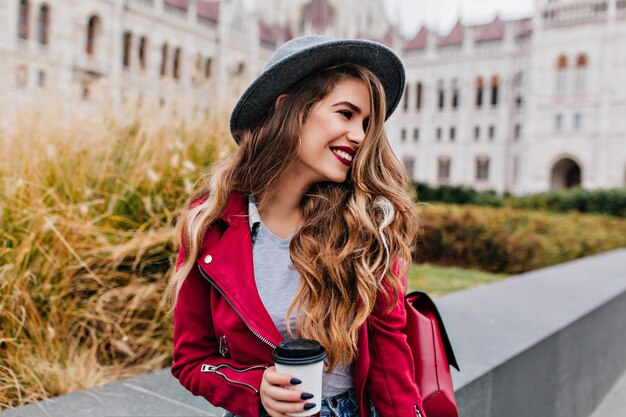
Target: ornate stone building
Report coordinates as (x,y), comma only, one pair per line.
(520,106)
(150,52)
(155,53)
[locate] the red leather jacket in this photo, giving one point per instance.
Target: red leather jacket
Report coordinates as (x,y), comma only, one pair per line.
(224,336)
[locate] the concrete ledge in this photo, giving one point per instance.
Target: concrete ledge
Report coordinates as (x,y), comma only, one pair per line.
(551,342)
(156,394)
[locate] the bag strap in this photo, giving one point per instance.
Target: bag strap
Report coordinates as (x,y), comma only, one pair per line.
(420,301)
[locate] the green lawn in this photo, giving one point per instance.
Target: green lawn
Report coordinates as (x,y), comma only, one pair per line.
(439,280)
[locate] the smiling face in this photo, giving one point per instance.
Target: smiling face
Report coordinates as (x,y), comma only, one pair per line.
(332,133)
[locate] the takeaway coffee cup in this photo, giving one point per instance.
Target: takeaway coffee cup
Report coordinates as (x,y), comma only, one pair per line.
(304,359)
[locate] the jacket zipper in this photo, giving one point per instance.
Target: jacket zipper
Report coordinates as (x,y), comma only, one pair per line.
(215,370)
(267,342)
(417,412)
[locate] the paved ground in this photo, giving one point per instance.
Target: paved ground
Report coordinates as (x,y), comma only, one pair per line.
(614,405)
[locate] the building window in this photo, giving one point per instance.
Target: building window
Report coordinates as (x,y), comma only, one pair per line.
(41,78)
(239,69)
(409,166)
(495,86)
(492,132)
(93,30)
(21,76)
(207,68)
(403,135)
(599,8)
(438,135)
(518,131)
(143,47)
(452,134)
(482,168)
(86,90)
(405,105)
(164,53)
(578,122)
(128,39)
(441,95)
(561,74)
(558,122)
(416,135)
(581,72)
(517,85)
(22,23)
(516,169)
(196,75)
(44,22)
(480,86)
(518,79)
(476,133)
(455,94)
(176,69)
(418,93)
(443,169)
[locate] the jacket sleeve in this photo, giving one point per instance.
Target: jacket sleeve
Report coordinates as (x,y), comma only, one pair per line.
(197,363)
(391,378)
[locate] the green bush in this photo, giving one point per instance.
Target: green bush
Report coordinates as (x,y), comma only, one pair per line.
(609,201)
(453,194)
(511,241)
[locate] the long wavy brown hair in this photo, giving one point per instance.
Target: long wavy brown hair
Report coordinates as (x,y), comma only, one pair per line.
(352,232)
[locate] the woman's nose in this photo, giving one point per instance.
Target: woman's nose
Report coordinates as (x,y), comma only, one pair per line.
(356,134)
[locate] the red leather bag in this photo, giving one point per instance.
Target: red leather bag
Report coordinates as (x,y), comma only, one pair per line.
(432,355)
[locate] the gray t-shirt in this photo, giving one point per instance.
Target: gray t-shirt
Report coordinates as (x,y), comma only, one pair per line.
(277,283)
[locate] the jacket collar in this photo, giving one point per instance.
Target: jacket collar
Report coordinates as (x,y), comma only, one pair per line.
(235,211)
(227,262)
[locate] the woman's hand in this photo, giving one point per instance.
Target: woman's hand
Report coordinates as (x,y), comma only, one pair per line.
(277,399)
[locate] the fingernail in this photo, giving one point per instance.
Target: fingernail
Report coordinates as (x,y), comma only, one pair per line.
(295,381)
(306,396)
(308,406)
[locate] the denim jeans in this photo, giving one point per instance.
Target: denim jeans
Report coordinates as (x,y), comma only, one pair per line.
(342,405)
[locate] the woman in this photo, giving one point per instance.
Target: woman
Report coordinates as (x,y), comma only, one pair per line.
(303,232)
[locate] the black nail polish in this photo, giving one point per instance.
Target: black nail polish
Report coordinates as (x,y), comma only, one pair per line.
(306,396)
(295,381)
(308,406)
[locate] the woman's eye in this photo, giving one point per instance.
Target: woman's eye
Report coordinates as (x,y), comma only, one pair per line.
(346,113)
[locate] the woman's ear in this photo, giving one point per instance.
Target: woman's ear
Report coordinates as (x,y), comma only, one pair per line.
(279,100)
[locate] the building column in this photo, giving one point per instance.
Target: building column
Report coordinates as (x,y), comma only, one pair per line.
(603,162)
(116,34)
(192,13)
(158,6)
(8,20)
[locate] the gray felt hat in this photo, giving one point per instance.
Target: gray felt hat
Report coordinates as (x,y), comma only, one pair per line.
(300,57)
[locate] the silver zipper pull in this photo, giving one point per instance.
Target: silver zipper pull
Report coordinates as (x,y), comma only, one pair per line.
(223,346)
(417,412)
(208,368)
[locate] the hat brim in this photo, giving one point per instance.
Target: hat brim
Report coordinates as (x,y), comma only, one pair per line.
(275,80)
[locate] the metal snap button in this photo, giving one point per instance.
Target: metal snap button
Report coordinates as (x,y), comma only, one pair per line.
(208,259)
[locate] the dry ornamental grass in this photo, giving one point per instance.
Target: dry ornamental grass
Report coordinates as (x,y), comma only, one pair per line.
(86,245)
